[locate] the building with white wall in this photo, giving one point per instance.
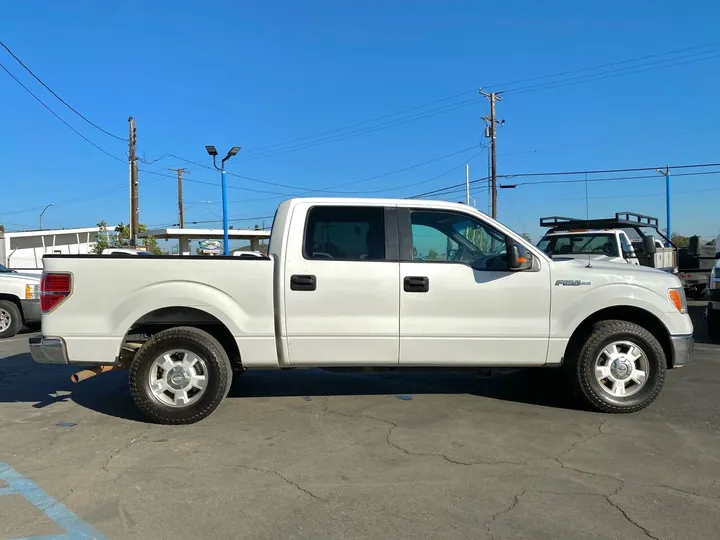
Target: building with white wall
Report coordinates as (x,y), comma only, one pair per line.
(23,251)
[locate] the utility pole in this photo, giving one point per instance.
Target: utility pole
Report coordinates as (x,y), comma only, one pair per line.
(490,133)
(666,174)
(132,159)
(180,198)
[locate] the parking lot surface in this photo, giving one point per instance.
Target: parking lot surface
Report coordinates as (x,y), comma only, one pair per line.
(319,455)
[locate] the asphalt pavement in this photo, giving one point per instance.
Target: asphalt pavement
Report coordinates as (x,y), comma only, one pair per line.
(310,454)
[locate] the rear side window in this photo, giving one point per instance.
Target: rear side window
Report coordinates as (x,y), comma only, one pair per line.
(345,233)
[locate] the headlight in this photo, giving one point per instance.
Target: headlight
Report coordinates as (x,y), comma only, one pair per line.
(677,299)
(714,282)
(32,291)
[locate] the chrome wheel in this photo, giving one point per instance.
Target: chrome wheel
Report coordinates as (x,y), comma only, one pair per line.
(622,369)
(5,320)
(178,378)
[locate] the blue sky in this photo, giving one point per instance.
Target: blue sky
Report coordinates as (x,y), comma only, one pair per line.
(259,75)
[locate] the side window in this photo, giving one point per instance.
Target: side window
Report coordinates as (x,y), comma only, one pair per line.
(625,244)
(345,233)
(446,236)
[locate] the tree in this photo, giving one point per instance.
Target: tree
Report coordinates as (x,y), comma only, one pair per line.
(120,237)
(679,240)
(527,237)
(2,227)
(432,255)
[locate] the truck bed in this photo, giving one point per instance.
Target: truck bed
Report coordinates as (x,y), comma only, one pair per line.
(237,292)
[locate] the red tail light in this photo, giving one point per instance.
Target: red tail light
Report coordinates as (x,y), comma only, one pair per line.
(54,288)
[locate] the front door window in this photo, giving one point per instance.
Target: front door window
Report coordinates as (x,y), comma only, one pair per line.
(451,237)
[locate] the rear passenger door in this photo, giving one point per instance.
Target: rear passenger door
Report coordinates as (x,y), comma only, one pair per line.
(342,303)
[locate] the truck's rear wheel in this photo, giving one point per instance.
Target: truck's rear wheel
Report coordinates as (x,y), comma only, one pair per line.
(621,367)
(10,319)
(180,376)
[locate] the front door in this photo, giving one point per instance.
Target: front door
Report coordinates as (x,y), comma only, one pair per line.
(452,312)
(342,292)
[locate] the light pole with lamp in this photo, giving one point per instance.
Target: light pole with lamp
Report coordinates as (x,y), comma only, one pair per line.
(213,152)
(41,213)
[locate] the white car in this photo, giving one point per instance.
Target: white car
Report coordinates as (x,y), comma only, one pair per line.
(358,283)
(19,301)
(126,252)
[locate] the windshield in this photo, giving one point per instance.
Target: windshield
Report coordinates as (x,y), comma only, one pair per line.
(579,244)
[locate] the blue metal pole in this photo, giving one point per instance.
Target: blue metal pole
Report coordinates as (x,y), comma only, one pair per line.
(226,239)
(667,205)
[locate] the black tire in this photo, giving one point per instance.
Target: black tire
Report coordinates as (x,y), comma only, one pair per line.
(202,344)
(713,325)
(10,309)
(604,333)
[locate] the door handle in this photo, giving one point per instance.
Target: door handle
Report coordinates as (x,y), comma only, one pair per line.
(300,282)
(416,284)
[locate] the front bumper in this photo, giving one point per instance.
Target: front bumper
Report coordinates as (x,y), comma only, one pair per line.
(48,350)
(682,348)
(31,310)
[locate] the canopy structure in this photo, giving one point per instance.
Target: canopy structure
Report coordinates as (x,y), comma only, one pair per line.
(185,236)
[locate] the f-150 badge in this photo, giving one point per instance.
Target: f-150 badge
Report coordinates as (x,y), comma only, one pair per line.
(570,283)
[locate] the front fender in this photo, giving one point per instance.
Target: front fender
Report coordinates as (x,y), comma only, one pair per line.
(572,305)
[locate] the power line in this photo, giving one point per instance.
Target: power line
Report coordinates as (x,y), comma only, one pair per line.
(409,167)
(608,171)
(660,64)
(331,189)
(58,117)
(38,79)
(414,184)
(601,66)
(371,129)
(450,188)
(365,122)
(322,137)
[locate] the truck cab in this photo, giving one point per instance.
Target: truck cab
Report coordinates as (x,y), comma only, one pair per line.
(609,245)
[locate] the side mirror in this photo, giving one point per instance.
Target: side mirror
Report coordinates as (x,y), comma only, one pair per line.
(519,258)
(649,244)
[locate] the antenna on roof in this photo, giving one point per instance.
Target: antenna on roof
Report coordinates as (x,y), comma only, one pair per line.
(587,214)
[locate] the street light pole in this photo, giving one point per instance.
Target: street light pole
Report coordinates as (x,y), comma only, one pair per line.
(666,174)
(226,234)
(41,213)
(233,152)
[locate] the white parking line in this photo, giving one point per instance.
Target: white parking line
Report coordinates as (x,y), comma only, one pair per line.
(24,337)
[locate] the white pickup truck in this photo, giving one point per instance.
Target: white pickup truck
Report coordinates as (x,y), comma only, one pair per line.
(627,238)
(19,301)
(363,282)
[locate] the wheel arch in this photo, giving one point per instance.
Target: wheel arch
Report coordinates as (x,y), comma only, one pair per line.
(633,314)
(15,300)
(169,317)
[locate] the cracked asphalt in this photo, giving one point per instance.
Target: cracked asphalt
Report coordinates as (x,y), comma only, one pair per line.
(320,455)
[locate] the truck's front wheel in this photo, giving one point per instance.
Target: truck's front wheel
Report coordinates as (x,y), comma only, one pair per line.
(621,367)
(180,376)
(10,319)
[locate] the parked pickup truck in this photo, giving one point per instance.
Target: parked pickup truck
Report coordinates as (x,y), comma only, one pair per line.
(627,238)
(712,311)
(356,283)
(19,301)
